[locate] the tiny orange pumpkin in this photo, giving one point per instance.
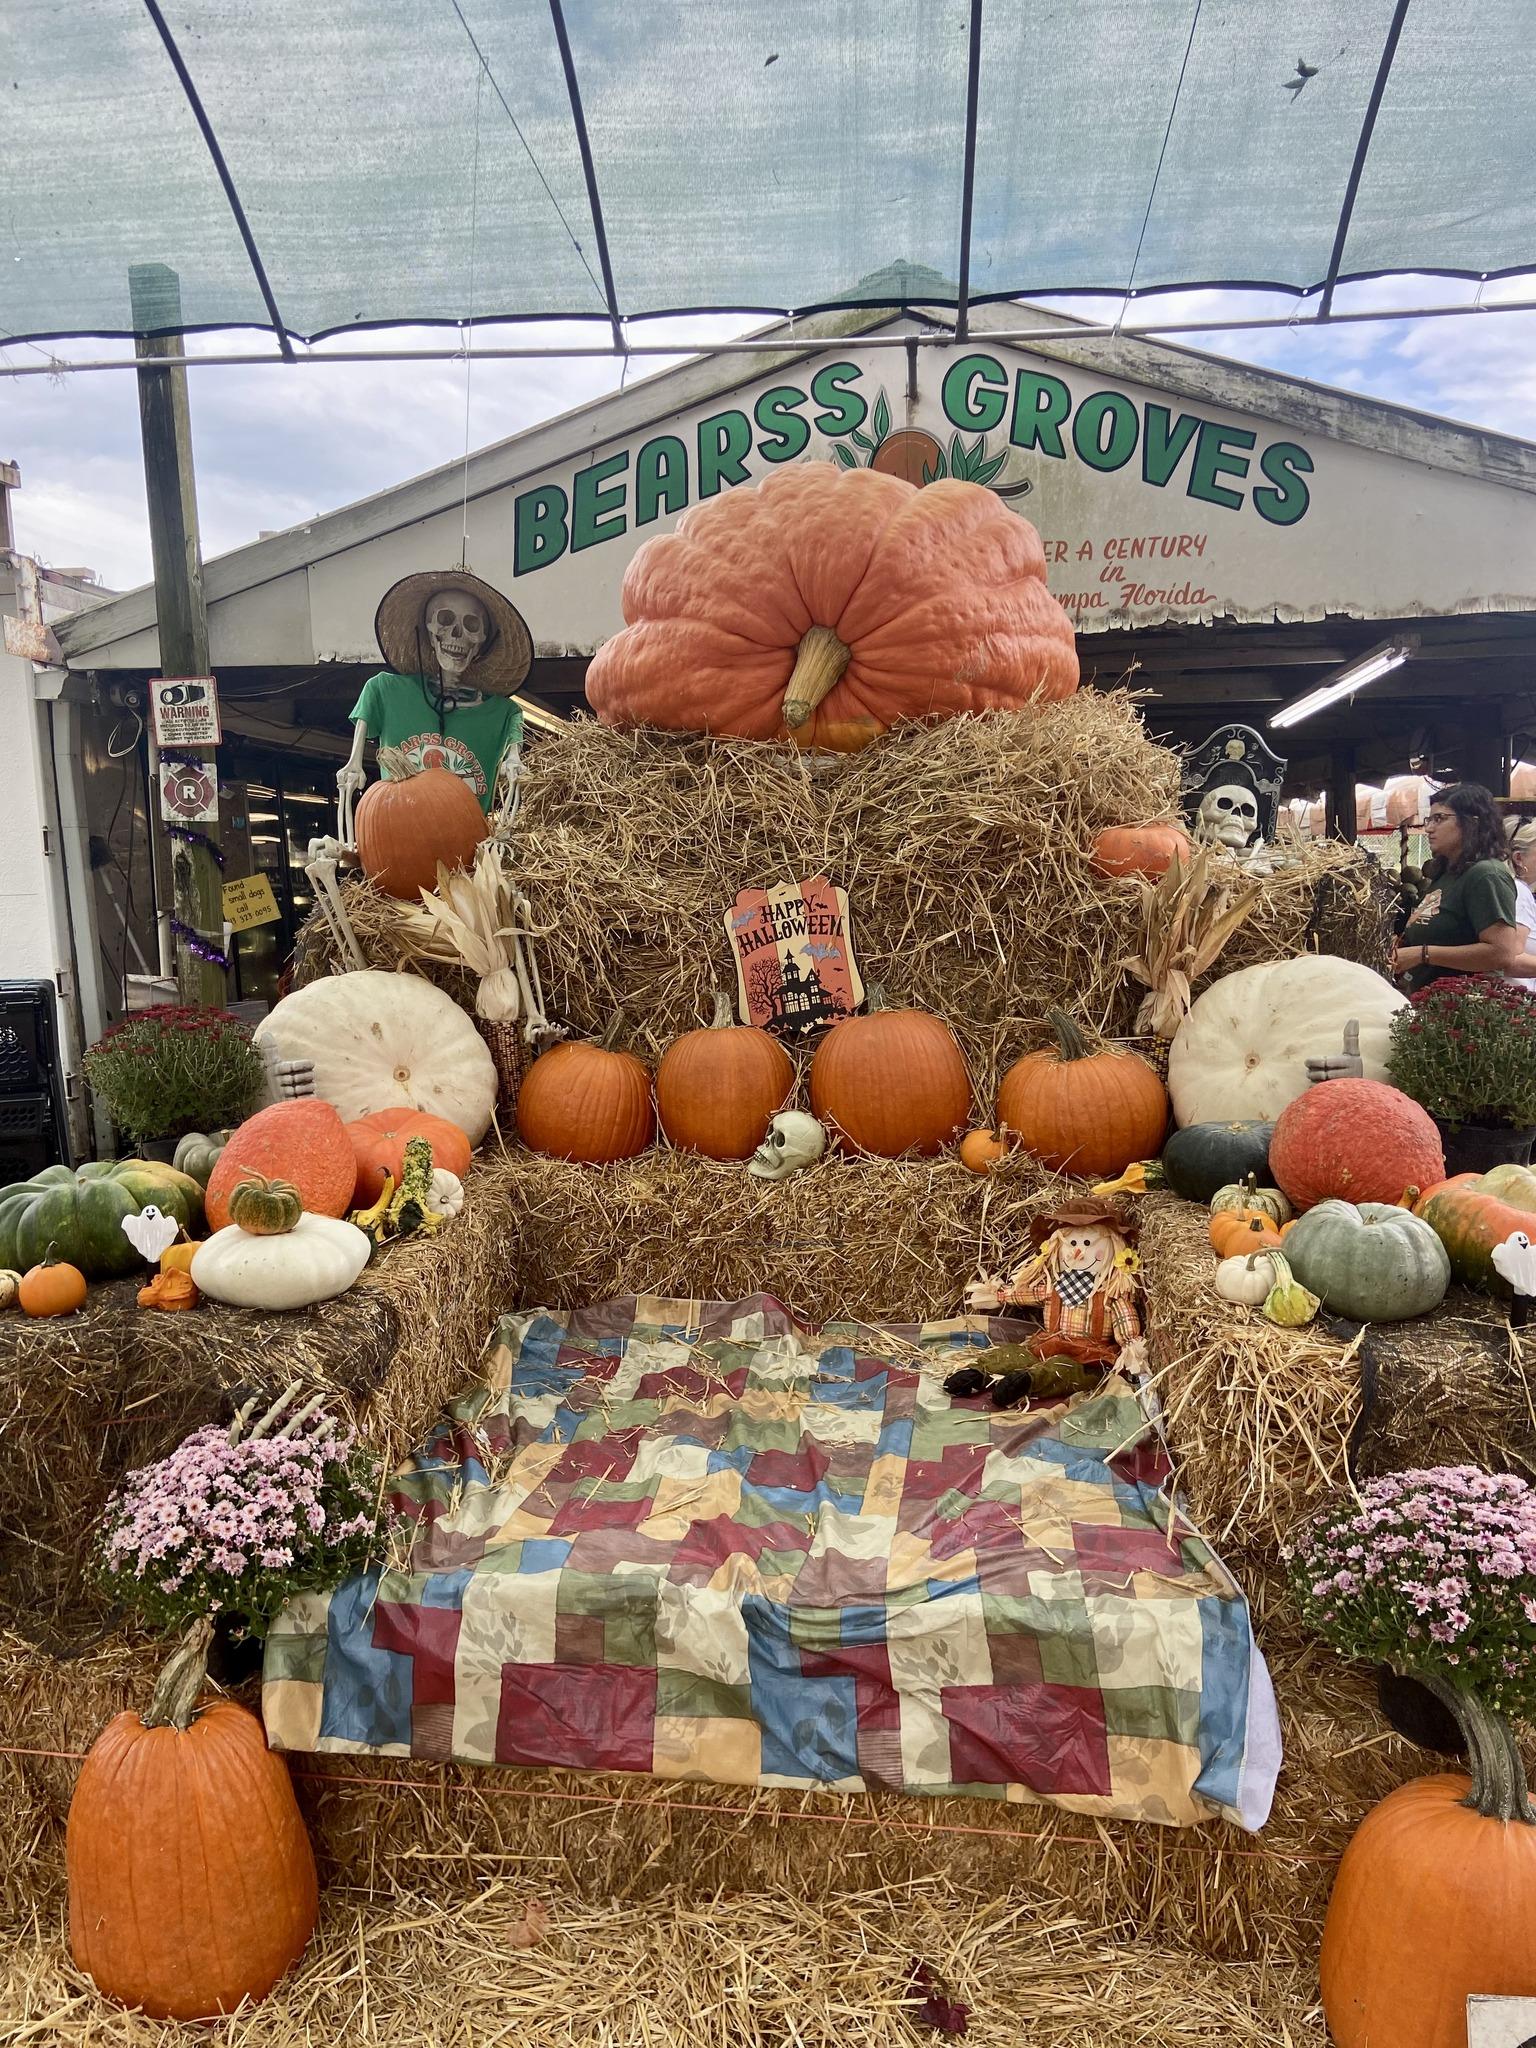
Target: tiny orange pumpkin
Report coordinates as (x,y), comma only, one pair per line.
(55,1288)
(981,1150)
(1242,1230)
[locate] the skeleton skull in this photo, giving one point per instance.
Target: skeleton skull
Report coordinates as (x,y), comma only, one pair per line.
(1228,816)
(794,1140)
(458,629)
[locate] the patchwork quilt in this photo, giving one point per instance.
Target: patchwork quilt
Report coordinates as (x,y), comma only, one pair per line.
(702,1541)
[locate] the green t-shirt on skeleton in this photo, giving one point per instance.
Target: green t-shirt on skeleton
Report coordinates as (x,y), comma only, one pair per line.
(469,737)
(1456,912)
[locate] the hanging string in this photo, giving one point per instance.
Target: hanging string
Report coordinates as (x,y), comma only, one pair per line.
(1130,287)
(467,326)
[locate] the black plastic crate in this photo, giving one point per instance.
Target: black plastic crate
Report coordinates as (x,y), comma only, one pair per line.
(34,1128)
(24,1116)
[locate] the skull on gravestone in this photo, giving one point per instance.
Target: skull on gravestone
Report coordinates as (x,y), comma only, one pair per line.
(794,1140)
(458,629)
(1228,816)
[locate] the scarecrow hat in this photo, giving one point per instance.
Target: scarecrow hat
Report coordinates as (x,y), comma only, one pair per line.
(508,653)
(1083,1212)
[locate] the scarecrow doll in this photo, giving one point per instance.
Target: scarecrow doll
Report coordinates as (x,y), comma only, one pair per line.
(1083,1276)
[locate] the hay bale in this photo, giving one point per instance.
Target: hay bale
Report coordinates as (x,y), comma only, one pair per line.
(963,848)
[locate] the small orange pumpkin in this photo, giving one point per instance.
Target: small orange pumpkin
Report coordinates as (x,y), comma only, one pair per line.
(1138,849)
(413,823)
(55,1288)
(1243,1230)
(172,1290)
(587,1102)
(980,1151)
(891,1082)
(718,1089)
(177,1258)
(1083,1112)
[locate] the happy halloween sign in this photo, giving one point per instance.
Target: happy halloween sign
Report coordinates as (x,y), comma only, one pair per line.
(795,970)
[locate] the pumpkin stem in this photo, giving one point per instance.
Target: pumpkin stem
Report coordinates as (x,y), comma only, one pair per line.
(724,1016)
(175,1698)
(1070,1041)
(1499,1790)
(821,659)
(611,1031)
(874,997)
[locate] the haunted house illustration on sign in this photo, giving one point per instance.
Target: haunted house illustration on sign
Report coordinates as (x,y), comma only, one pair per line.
(795,971)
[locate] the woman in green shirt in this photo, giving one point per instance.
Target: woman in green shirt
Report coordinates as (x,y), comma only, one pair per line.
(1466,924)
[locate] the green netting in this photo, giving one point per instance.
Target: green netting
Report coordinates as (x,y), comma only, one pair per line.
(771,155)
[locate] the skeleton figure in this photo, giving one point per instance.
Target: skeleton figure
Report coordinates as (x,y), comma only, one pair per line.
(1228,816)
(794,1140)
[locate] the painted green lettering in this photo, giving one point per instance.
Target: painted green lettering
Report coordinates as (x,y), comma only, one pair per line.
(965,405)
(1214,457)
(1099,451)
(538,526)
(724,438)
(845,409)
(597,514)
(1285,465)
(661,478)
(1040,404)
(787,434)
(1164,442)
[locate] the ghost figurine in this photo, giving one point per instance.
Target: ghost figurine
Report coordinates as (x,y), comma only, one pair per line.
(794,1140)
(151,1233)
(1515,1263)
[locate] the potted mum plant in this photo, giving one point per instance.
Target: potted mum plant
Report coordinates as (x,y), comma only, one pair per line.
(1465,1047)
(174,1069)
(1433,1573)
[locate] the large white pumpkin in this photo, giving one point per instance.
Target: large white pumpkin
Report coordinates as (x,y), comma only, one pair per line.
(1242,1051)
(321,1256)
(382,1040)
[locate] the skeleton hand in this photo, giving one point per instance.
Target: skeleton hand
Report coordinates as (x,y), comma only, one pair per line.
(1345,1066)
(351,778)
(985,1293)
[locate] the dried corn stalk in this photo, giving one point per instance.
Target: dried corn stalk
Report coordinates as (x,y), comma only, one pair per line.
(478,919)
(1187,917)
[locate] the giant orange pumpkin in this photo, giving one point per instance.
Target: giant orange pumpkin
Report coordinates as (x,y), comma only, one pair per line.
(379,1141)
(587,1102)
(1083,1112)
(304,1142)
(718,1089)
(407,826)
(828,604)
(890,1082)
(1359,1141)
(191,1879)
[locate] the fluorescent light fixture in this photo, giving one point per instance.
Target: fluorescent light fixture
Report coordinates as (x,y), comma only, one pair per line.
(1370,668)
(300,796)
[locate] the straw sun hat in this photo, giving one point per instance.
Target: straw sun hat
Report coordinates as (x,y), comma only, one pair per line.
(503,663)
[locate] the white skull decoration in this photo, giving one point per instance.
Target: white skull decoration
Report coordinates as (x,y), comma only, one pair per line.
(458,629)
(794,1140)
(1228,816)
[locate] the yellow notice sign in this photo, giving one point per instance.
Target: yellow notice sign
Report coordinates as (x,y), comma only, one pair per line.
(249,901)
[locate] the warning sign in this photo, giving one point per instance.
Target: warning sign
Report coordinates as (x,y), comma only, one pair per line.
(248,901)
(185,710)
(189,793)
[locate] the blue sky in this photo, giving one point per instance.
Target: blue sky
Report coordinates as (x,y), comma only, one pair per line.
(275,446)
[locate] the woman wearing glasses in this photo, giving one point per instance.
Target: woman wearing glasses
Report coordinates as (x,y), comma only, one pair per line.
(1467,923)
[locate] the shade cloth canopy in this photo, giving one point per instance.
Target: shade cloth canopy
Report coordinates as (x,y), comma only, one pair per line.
(319,165)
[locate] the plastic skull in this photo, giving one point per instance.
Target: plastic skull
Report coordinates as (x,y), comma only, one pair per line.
(457,626)
(1228,816)
(794,1140)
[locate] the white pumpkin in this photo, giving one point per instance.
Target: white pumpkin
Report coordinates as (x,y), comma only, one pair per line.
(1242,1051)
(379,1040)
(321,1256)
(1248,1278)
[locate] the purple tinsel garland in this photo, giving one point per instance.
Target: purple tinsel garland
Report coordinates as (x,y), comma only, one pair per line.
(194,942)
(189,836)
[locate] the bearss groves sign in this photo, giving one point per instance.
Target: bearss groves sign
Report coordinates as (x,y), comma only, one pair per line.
(795,970)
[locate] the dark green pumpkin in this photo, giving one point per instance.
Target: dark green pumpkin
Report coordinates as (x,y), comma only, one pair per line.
(77,1215)
(1201,1158)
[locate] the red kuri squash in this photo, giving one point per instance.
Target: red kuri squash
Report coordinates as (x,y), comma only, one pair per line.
(1361,1141)
(191,1879)
(891,1082)
(717,1089)
(408,825)
(304,1142)
(1083,1112)
(587,1102)
(379,1141)
(828,604)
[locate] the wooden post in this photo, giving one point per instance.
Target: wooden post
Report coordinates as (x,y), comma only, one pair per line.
(166,431)
(1341,792)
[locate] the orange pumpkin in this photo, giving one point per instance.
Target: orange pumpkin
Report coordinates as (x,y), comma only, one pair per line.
(718,1089)
(191,1879)
(1242,1230)
(406,827)
(587,1102)
(891,1082)
(827,605)
(981,1150)
(55,1288)
(379,1142)
(172,1289)
(304,1142)
(1138,849)
(1083,1112)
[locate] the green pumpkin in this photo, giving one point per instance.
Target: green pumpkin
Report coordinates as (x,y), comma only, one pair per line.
(1376,1263)
(1201,1159)
(1246,1194)
(79,1214)
(198,1152)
